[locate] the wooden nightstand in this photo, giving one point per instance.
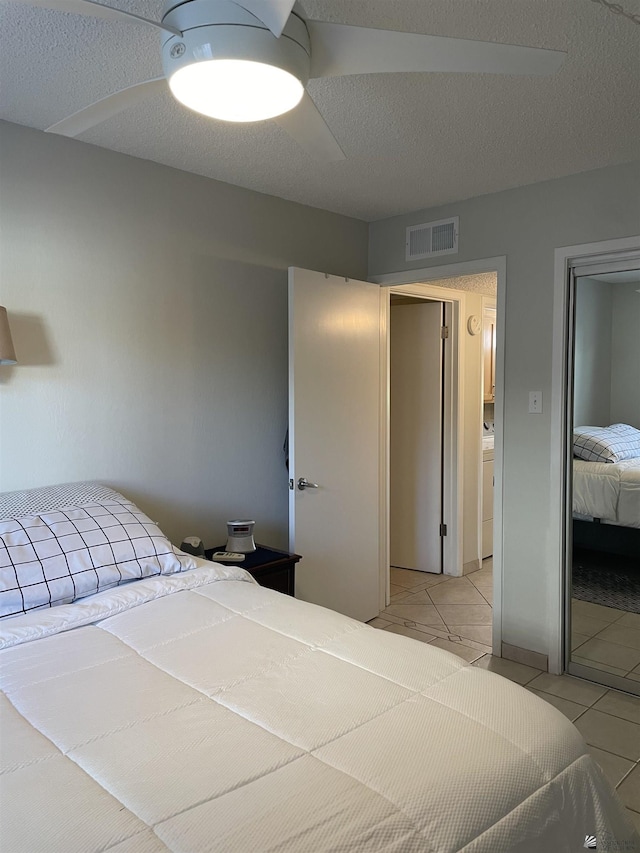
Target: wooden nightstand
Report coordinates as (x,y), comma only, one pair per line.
(270,567)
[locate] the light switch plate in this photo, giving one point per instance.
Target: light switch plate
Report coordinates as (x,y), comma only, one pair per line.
(535,402)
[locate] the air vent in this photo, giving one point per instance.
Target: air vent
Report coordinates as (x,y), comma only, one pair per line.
(432,238)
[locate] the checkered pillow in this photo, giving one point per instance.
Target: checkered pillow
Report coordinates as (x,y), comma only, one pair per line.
(59,556)
(606,444)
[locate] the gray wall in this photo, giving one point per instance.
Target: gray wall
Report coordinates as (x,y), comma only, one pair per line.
(592,372)
(526,225)
(149,314)
(607,354)
(625,354)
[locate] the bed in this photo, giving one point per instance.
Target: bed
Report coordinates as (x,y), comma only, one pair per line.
(190,709)
(607,491)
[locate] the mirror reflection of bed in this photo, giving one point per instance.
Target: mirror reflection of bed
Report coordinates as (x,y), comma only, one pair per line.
(605,580)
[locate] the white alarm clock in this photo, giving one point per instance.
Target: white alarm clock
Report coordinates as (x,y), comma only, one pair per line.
(240,536)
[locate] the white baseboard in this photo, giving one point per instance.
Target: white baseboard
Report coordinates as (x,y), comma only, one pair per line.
(525,656)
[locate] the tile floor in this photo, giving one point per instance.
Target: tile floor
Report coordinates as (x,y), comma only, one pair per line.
(447,610)
(455,614)
(606,639)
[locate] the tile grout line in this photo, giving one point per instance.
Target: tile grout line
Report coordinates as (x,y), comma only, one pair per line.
(626,775)
(597,636)
(578,717)
(450,632)
(428,633)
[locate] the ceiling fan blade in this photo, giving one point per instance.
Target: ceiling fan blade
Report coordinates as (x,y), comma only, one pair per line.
(338,50)
(273,13)
(107,107)
(305,124)
(97,10)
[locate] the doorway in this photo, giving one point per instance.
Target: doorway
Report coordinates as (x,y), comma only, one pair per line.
(571,262)
(603,477)
(337,322)
(430,281)
(455,606)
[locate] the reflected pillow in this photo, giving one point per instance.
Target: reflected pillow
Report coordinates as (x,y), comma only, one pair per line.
(606,444)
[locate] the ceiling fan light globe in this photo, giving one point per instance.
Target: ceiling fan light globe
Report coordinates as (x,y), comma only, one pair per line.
(236,90)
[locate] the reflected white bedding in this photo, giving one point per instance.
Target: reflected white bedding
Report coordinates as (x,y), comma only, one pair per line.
(201,712)
(609,491)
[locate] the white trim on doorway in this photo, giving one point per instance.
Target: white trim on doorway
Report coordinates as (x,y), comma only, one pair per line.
(423,277)
(584,255)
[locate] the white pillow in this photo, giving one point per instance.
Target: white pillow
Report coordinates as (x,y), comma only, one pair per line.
(59,556)
(46,498)
(606,444)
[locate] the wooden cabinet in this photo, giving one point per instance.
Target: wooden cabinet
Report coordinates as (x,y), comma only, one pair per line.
(489,352)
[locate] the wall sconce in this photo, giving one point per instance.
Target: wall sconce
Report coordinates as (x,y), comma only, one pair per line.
(7,352)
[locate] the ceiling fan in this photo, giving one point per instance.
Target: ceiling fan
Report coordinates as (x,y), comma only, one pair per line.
(250,60)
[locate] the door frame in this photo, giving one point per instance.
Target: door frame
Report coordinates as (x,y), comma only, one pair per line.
(567,259)
(422,277)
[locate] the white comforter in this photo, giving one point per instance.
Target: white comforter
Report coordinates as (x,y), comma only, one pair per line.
(610,491)
(228,717)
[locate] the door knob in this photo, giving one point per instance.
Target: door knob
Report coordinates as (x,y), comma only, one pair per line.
(303,484)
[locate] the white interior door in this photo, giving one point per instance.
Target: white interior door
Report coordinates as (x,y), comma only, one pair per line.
(334,440)
(415,509)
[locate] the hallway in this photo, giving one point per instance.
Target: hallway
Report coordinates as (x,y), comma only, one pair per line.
(451,613)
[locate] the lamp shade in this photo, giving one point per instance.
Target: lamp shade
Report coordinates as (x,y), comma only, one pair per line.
(7,352)
(236,89)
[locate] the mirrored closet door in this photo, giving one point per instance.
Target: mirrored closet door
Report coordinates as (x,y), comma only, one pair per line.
(603,480)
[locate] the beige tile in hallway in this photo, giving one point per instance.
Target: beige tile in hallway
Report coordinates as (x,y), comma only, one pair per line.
(457,591)
(475,633)
(425,614)
(458,610)
(406,631)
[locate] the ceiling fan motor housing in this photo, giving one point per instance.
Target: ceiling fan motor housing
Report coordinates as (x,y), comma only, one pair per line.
(214,29)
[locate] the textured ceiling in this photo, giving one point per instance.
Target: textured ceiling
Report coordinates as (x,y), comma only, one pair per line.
(484,284)
(412,140)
